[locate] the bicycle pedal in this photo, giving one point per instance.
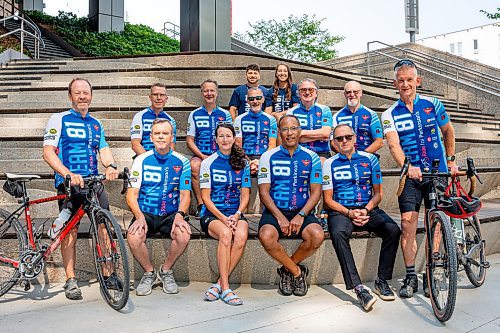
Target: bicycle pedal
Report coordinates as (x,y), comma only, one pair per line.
(436,256)
(486,264)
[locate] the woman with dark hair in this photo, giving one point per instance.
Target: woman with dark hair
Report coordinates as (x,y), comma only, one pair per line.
(225,189)
(283,94)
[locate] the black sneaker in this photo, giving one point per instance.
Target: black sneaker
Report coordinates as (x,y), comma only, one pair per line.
(71,289)
(425,285)
(113,282)
(198,212)
(410,286)
(366,299)
(383,290)
(285,285)
(299,283)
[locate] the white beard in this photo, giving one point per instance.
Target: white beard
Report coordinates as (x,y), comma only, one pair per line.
(352,102)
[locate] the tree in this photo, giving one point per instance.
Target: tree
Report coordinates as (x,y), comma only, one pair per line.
(296,38)
(495,16)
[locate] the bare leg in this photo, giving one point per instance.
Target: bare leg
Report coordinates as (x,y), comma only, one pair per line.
(409,222)
(140,251)
(68,252)
(269,238)
(312,236)
(180,240)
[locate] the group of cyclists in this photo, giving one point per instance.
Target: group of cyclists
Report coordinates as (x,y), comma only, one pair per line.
(303,156)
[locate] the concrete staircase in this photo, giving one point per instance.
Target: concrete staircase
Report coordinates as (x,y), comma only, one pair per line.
(30,91)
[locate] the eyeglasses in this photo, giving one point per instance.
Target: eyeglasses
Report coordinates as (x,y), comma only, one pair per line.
(342,137)
(404,62)
(355,92)
(289,129)
(253,98)
(309,90)
(159,95)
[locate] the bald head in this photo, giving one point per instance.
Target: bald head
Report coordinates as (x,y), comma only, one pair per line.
(353,93)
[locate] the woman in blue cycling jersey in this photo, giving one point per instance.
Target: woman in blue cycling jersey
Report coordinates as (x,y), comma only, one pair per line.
(283,94)
(225,189)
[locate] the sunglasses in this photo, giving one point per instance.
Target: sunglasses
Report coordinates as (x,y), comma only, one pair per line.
(253,98)
(342,137)
(309,90)
(404,62)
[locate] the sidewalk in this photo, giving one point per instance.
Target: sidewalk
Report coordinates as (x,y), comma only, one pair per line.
(324,309)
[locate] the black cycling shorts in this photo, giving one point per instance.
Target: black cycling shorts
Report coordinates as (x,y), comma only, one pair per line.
(156,223)
(206,219)
(410,199)
(268,218)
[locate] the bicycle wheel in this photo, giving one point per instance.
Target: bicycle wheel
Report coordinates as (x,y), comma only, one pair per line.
(442,266)
(111,259)
(13,242)
(474,245)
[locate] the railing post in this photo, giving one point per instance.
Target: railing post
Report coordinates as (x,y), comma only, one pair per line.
(368,58)
(22,37)
(458,94)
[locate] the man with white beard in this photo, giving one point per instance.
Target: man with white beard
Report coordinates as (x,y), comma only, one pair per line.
(364,122)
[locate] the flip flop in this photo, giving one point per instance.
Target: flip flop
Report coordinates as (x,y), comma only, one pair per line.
(227,299)
(211,291)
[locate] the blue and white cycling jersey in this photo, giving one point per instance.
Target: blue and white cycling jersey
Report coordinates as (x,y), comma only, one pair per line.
(352,180)
(159,179)
(418,131)
(239,99)
(255,129)
(282,104)
(141,126)
(314,118)
(202,125)
(78,139)
(224,183)
(364,122)
(290,177)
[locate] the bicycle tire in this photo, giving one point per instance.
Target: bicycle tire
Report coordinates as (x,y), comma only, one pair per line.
(442,266)
(473,238)
(11,232)
(111,259)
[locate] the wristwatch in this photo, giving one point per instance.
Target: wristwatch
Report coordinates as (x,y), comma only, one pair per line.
(112,165)
(301,213)
(181,212)
(450,158)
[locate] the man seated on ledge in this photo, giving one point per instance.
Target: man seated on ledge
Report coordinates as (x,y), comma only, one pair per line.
(352,190)
(290,187)
(159,198)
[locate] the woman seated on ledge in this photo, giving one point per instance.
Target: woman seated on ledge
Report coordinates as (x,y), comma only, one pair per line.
(225,189)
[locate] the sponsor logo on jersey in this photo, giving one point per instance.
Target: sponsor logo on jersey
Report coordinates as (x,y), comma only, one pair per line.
(378,176)
(53,131)
(266,122)
(377,131)
(386,122)
(427,110)
(135,173)
(221,118)
(306,162)
(435,145)
(186,182)
(137,126)
(177,168)
(96,127)
(364,117)
(326,177)
(263,170)
(316,175)
(433,130)
(429,139)
(364,164)
(318,114)
(442,117)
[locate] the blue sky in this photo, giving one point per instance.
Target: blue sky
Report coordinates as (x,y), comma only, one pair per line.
(359,21)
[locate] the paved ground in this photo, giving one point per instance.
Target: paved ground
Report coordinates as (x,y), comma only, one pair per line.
(324,309)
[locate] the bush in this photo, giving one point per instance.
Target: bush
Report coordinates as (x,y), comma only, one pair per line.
(133,40)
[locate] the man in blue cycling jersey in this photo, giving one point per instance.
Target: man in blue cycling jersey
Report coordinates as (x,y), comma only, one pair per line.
(200,138)
(141,124)
(238,103)
(159,198)
(315,119)
(256,131)
(363,121)
(352,191)
(71,143)
(411,127)
(290,187)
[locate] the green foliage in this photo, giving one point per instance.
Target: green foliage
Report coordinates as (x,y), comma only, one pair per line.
(493,16)
(296,38)
(134,39)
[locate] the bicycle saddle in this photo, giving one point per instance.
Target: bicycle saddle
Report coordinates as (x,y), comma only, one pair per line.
(23,178)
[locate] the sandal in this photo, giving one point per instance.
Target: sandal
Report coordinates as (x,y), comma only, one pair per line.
(211,295)
(229,299)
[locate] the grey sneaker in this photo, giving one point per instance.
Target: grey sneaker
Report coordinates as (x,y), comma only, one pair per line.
(146,284)
(169,285)
(72,290)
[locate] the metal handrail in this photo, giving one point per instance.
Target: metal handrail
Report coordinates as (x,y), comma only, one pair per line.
(175,29)
(37,35)
(12,5)
(428,57)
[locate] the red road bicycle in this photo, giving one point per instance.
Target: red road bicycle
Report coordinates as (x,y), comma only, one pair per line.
(23,253)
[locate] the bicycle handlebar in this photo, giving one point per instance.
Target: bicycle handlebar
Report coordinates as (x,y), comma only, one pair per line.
(470,173)
(125,175)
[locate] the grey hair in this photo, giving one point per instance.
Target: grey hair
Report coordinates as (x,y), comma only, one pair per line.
(313,81)
(396,70)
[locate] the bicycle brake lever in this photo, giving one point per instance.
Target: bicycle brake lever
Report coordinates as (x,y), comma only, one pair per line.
(67,185)
(126,180)
(404,169)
